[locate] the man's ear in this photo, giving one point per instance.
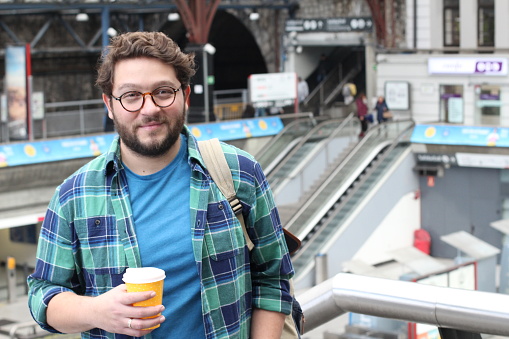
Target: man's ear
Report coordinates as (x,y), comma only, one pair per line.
(107,102)
(187,93)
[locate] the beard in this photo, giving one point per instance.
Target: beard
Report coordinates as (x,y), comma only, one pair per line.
(155,148)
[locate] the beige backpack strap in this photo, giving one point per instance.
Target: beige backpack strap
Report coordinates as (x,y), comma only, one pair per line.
(220,172)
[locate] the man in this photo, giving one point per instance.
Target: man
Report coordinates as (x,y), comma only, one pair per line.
(149,201)
(302,90)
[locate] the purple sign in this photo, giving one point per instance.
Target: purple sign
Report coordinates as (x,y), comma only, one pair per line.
(486,96)
(450,95)
(468,65)
(488,67)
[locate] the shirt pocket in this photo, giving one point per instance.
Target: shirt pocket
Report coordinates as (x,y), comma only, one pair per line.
(222,232)
(99,245)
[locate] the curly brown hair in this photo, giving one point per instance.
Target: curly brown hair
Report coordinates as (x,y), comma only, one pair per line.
(155,45)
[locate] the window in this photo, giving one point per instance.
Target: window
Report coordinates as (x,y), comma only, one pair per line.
(23,234)
(486,22)
(488,104)
(452,22)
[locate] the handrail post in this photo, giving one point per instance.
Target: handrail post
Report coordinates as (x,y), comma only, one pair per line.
(82,120)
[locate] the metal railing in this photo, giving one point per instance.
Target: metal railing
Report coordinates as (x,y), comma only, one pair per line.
(447,308)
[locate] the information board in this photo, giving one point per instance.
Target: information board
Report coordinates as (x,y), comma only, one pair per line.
(271,88)
(340,24)
(397,95)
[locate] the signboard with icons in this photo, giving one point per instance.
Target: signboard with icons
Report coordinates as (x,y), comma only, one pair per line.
(468,66)
(342,24)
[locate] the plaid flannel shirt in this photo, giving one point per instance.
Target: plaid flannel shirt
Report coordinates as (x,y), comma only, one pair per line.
(88,240)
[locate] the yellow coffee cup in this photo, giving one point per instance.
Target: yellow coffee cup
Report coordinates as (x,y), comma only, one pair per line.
(146,279)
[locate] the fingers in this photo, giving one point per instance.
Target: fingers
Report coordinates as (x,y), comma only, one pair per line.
(136,297)
(142,326)
(144,312)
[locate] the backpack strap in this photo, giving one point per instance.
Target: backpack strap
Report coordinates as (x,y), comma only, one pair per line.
(220,172)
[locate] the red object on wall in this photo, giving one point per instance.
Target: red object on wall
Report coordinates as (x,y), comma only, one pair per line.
(422,240)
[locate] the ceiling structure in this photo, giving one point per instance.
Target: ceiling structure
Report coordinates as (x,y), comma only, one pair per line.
(196,15)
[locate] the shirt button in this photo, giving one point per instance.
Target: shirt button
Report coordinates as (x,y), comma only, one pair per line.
(97,222)
(220,206)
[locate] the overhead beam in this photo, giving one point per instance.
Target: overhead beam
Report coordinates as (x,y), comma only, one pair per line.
(197,16)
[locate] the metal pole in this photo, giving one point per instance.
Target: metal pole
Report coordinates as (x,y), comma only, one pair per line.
(11,279)
(82,120)
(321,271)
(206,84)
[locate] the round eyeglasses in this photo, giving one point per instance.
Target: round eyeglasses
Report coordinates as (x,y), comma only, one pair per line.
(133,101)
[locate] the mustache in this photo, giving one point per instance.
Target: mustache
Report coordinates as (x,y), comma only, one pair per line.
(152,119)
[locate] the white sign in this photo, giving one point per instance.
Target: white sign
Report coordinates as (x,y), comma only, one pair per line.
(455,110)
(38,105)
(272,87)
(482,160)
(471,66)
(397,95)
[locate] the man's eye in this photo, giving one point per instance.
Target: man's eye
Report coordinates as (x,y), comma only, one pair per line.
(131,95)
(163,91)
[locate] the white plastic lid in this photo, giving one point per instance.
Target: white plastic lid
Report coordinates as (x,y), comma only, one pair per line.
(143,275)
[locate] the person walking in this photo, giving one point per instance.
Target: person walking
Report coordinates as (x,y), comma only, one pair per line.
(302,90)
(150,202)
(380,108)
(362,112)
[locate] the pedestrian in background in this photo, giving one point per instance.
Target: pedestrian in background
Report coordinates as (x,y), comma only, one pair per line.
(362,111)
(150,202)
(302,90)
(382,110)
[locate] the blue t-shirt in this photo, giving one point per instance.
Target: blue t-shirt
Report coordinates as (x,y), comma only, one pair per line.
(160,204)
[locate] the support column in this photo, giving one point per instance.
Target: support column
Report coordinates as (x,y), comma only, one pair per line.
(468,24)
(105,24)
(501,24)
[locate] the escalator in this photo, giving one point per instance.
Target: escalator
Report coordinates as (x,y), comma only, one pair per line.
(322,217)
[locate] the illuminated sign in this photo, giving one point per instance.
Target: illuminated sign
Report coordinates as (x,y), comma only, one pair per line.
(468,66)
(343,24)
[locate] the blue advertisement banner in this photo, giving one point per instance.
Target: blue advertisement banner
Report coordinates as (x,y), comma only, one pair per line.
(16,154)
(461,135)
(53,150)
(238,129)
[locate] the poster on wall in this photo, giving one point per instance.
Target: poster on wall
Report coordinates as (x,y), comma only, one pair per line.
(455,110)
(38,105)
(397,95)
(15,78)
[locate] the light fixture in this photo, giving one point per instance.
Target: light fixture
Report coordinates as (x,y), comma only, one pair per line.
(209,49)
(112,32)
(173,17)
(81,17)
(253,16)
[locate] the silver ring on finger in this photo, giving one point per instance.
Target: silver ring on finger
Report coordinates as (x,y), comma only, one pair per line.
(129,322)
